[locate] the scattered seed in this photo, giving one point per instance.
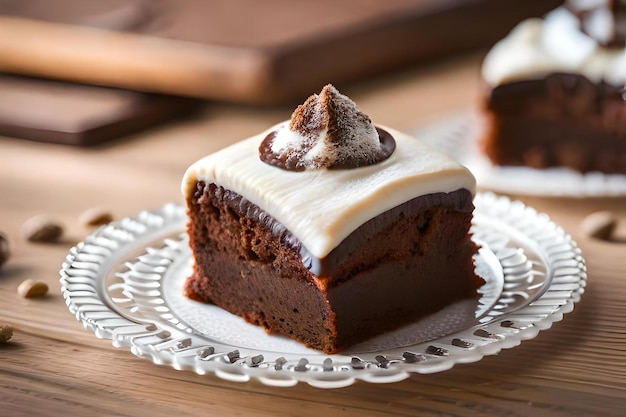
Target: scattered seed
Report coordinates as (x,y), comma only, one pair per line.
(32,289)
(95,216)
(42,229)
(5,251)
(6,332)
(599,225)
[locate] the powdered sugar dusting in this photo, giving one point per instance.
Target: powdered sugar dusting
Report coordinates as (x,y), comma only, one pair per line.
(327,131)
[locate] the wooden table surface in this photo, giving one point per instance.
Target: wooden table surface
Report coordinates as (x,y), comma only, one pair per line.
(53,366)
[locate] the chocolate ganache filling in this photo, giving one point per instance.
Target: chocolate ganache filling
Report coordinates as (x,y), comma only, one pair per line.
(327,131)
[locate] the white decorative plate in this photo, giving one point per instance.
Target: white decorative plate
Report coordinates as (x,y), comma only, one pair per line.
(458,136)
(124,283)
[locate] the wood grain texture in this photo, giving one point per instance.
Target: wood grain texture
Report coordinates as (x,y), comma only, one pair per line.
(53,367)
(243,50)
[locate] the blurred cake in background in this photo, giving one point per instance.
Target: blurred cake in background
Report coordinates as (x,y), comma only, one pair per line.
(555,90)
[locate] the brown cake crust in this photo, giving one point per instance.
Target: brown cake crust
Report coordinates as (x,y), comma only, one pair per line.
(562,120)
(408,262)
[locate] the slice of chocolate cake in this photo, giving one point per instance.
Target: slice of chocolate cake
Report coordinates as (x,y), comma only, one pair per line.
(329,230)
(556,90)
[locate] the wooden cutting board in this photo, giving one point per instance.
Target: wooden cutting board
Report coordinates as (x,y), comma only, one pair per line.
(81,115)
(247,51)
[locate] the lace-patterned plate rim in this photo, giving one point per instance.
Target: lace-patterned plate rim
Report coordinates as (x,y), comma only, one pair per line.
(458,134)
(542,268)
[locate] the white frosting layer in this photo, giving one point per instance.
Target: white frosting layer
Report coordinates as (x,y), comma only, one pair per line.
(536,48)
(322,207)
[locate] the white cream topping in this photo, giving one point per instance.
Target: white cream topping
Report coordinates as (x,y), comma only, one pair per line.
(322,207)
(538,47)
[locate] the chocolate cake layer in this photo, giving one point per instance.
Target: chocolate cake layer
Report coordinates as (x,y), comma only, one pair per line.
(406,263)
(560,120)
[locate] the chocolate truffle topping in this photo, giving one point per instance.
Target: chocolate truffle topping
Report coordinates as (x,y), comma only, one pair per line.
(327,131)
